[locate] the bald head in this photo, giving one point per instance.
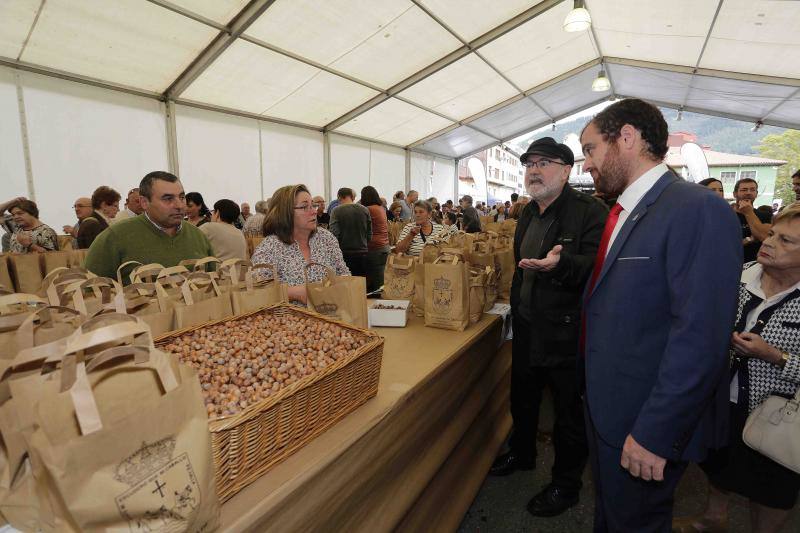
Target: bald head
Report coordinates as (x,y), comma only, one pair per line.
(319,202)
(83,207)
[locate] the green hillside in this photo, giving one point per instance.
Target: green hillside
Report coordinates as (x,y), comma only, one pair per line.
(721,134)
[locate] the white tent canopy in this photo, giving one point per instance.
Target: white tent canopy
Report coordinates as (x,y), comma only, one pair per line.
(280,91)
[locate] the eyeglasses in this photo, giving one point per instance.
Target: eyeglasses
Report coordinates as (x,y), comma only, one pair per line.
(76,206)
(541,164)
(305,207)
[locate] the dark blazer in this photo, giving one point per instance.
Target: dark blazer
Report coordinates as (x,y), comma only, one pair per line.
(556,300)
(89,229)
(659,321)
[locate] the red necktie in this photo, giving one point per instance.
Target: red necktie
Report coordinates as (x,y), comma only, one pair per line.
(611,223)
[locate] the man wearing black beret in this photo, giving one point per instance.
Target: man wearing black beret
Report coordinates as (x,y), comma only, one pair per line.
(555,245)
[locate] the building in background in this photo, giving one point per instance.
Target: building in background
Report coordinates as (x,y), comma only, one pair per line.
(491,175)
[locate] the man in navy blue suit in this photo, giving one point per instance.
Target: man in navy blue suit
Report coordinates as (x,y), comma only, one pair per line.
(659,308)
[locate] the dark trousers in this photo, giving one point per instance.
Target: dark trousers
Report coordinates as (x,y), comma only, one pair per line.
(376,263)
(569,432)
(356,262)
(624,503)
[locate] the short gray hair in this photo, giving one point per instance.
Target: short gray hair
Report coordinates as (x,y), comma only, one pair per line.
(262,206)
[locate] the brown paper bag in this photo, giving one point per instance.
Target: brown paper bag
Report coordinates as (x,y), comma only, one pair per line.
(418,301)
(341,297)
(255,292)
(53,260)
(14,309)
(59,278)
(207,302)
(65,242)
(477,293)
(150,303)
(27,272)
(492,288)
(463,241)
(43,325)
(94,295)
(481,255)
(504,254)
(447,293)
(398,277)
(201,265)
(252,244)
(77,258)
(485,219)
(508,227)
(492,226)
(5,273)
(123,444)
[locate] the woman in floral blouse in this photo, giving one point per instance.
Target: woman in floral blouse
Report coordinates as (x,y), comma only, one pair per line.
(30,234)
(292,240)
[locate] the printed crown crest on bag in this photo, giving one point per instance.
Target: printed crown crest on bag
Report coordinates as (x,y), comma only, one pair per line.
(150,456)
(442,294)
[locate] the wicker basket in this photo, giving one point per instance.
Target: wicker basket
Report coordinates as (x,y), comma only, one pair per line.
(249,443)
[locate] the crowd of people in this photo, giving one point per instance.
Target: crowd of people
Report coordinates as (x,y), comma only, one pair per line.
(678,311)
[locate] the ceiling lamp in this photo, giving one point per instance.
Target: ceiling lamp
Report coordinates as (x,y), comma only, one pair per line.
(578,19)
(601,83)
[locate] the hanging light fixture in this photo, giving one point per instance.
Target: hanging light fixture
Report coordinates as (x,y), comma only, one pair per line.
(680,114)
(578,19)
(757,126)
(601,83)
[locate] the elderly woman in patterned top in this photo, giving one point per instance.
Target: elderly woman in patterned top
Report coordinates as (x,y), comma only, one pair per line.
(766,349)
(30,234)
(292,240)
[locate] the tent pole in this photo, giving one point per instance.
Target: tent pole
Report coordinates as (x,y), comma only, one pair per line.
(408,170)
(172,138)
(326,164)
(23,126)
(455,182)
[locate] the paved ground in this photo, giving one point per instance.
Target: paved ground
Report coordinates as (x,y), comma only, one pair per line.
(500,504)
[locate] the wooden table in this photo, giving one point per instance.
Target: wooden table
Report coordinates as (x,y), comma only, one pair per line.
(412,458)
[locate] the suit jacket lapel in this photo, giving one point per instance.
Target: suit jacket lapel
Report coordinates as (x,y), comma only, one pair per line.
(638,214)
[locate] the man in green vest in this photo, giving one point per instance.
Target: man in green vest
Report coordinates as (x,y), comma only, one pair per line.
(158,235)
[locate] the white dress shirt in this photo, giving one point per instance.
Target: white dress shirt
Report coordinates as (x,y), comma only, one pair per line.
(631,197)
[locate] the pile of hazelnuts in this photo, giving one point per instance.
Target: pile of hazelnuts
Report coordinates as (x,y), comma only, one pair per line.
(243,361)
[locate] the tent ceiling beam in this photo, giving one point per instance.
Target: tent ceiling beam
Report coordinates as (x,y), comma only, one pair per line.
(30,31)
(788,98)
(77,78)
(452,32)
(447,60)
(713,113)
(221,42)
(739,76)
(190,14)
(536,127)
(599,50)
(702,51)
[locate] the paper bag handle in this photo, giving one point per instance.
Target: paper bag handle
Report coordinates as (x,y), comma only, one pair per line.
(83,399)
(201,280)
(197,263)
(331,273)
(177,280)
(393,258)
(177,269)
(102,283)
(123,265)
(148,290)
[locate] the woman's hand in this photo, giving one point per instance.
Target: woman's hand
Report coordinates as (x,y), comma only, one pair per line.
(752,345)
(297,293)
(24,238)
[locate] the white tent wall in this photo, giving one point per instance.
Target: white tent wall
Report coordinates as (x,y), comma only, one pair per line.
(356,163)
(13,176)
(82,136)
(387,170)
(218,155)
(433,176)
(443,184)
(421,174)
(291,155)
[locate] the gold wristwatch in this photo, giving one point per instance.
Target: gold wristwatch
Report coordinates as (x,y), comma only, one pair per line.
(784,359)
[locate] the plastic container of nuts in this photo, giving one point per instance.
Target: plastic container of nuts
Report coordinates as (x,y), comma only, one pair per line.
(389,313)
(272,380)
